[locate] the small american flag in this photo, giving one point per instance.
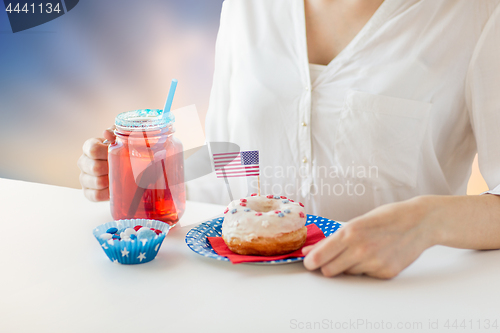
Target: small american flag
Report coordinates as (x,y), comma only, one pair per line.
(238,164)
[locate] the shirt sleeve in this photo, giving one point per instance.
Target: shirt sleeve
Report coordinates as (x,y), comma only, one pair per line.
(216,125)
(483,100)
(208,188)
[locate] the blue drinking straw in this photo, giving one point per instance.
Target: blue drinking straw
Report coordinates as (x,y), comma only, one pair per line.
(170,98)
(140,190)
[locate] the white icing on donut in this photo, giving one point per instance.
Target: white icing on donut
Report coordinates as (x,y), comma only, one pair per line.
(248,225)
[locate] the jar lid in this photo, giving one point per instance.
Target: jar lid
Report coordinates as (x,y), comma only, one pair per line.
(145,119)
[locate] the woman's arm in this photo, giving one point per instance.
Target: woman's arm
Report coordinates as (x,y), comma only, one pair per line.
(386,240)
(467,222)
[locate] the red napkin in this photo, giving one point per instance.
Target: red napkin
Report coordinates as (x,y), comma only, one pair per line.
(314,235)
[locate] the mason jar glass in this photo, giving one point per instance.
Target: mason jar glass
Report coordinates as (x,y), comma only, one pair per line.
(146,168)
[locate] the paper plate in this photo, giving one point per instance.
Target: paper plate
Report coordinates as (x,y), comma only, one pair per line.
(197,238)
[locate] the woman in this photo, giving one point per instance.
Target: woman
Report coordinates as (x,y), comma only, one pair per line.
(369,112)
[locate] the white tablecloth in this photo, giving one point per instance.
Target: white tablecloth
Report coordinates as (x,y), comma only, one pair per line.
(56,278)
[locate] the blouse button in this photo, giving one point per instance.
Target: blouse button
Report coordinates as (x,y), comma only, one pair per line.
(307,88)
(303,124)
(304,160)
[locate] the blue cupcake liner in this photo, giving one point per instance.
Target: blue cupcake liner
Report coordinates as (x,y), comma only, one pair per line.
(138,251)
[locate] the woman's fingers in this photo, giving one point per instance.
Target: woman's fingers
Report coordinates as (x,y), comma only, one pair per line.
(96,195)
(93,167)
(94,182)
(384,273)
(324,251)
(95,149)
(109,134)
(307,249)
(357,269)
(343,262)
(94,159)
(367,266)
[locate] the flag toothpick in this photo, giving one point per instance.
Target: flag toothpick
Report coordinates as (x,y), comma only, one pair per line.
(227,186)
(258,184)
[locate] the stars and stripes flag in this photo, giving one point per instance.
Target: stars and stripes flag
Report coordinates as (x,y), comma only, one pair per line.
(237,164)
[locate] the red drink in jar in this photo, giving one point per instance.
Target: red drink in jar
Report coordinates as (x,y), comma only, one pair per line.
(146,168)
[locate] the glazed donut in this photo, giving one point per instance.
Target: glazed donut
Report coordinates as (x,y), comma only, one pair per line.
(264,225)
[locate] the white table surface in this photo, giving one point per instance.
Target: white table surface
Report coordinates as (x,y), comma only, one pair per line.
(56,278)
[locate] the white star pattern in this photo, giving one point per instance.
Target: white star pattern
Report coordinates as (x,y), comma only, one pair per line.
(111,242)
(125,252)
(157,246)
(250,157)
(104,246)
(144,241)
(141,256)
(116,261)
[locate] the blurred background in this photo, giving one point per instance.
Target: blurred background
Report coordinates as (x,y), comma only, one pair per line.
(65,81)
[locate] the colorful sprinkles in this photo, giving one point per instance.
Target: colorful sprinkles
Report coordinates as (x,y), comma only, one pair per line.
(243,203)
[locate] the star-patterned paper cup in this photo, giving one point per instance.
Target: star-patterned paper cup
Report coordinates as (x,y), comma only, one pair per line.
(131,252)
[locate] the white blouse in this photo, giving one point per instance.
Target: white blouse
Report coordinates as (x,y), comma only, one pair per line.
(315,70)
(400,112)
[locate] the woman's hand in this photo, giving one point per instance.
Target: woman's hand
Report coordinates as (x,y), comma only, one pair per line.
(386,240)
(380,243)
(93,165)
